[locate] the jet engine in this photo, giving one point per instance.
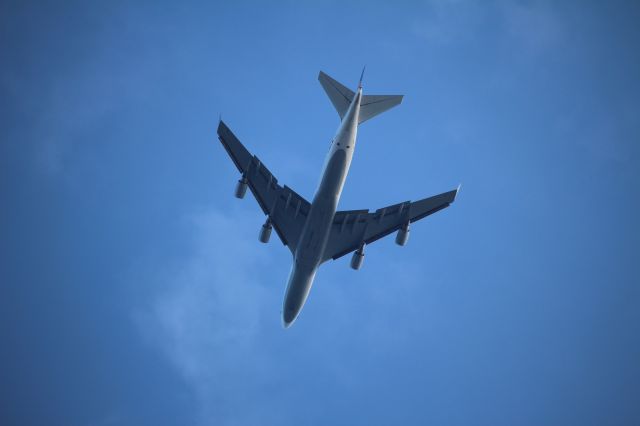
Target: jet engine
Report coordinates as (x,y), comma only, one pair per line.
(358,258)
(403,235)
(265,232)
(241,188)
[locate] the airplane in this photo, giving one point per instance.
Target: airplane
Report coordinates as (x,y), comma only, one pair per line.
(315,231)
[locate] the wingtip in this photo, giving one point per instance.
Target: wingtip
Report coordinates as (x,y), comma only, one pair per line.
(458,190)
(222,127)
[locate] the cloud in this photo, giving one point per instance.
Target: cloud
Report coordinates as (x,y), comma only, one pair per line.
(69,82)
(209,317)
(448,21)
(216,317)
(71,112)
(533,25)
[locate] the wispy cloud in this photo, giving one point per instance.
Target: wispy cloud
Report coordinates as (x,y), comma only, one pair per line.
(447,21)
(70,112)
(532,26)
(69,86)
(208,316)
(216,317)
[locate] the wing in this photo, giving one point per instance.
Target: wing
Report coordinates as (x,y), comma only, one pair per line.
(352,228)
(288,210)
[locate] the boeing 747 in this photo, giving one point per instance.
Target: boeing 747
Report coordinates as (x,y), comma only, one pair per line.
(315,231)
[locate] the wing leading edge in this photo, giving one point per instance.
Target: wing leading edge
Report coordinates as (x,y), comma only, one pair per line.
(351,229)
(287,210)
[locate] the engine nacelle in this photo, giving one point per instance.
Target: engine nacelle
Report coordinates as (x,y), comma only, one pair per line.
(265,232)
(403,235)
(357,259)
(241,188)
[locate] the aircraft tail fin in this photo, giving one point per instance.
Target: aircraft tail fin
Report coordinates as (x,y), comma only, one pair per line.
(370,105)
(339,95)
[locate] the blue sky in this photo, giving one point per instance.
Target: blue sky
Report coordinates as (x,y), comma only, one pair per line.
(133,290)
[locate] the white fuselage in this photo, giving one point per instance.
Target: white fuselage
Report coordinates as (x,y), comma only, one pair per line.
(313,240)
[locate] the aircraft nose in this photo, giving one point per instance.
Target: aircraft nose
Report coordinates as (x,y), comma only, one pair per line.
(288,317)
(296,294)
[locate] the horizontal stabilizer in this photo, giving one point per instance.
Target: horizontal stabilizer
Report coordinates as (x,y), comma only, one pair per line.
(339,95)
(372,105)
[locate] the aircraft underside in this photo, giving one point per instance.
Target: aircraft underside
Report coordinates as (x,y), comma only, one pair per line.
(315,232)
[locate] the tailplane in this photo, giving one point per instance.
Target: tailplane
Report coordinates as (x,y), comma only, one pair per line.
(341,97)
(372,105)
